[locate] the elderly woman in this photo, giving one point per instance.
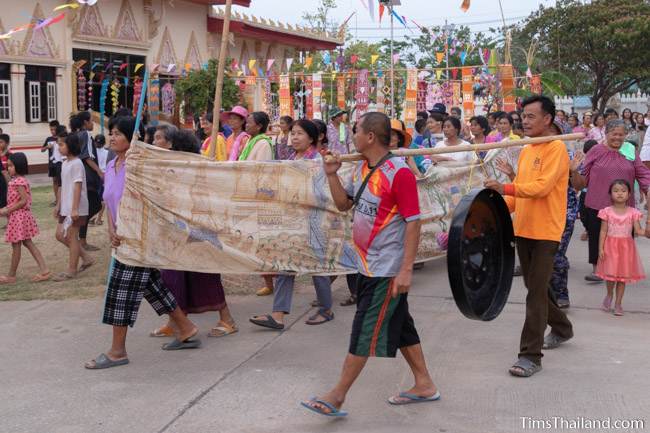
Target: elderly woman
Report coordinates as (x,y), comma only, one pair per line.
(603,164)
(163,136)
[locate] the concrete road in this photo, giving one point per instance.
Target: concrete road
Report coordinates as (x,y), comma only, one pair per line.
(253,381)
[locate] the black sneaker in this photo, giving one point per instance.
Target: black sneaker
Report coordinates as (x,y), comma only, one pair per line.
(563,303)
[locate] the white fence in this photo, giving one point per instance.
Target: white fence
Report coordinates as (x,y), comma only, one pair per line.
(639,102)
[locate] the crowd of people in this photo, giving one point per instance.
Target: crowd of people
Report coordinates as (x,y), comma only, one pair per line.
(550,187)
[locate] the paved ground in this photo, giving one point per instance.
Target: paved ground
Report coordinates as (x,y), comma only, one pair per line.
(253,381)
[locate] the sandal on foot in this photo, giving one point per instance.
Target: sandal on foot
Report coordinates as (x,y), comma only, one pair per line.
(607,304)
(322,314)
(618,310)
(85,266)
(264,291)
(524,367)
(39,278)
(63,276)
(163,331)
(407,398)
(7,280)
(267,322)
(333,411)
(103,361)
(352,300)
(182,345)
(552,340)
(222,329)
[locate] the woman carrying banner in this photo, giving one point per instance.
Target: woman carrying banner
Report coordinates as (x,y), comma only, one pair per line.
(304,140)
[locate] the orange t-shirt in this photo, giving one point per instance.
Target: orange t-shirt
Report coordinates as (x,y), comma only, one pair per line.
(538,195)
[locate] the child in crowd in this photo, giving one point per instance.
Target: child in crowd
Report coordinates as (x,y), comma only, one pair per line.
(518,129)
(22,225)
(4,174)
(618,258)
(72,205)
(102,160)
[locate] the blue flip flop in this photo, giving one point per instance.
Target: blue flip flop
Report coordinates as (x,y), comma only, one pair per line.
(334,412)
(412,398)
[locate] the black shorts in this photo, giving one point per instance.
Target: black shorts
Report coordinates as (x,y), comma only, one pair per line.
(382,324)
(54,171)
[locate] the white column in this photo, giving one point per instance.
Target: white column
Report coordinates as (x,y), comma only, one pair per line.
(19,126)
(63,102)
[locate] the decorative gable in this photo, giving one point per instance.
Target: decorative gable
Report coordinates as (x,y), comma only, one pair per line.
(193,54)
(38,41)
(126,27)
(166,53)
(91,22)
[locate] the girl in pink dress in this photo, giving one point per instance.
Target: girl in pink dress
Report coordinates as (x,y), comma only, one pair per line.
(618,260)
(22,225)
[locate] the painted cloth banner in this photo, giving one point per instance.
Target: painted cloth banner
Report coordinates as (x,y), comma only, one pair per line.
(536,84)
(154,101)
(468,93)
(507,87)
(457,99)
(264,216)
(317,92)
(309,89)
(285,96)
(362,94)
(249,91)
(410,101)
(422,96)
(340,92)
(381,97)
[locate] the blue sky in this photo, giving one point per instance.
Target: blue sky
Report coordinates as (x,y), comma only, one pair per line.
(482,15)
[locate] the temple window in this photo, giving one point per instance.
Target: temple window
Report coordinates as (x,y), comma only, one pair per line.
(40,93)
(5,93)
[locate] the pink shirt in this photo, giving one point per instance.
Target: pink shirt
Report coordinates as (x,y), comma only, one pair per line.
(620,225)
(602,166)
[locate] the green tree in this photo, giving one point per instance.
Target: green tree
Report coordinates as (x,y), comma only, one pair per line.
(320,19)
(197,89)
(602,44)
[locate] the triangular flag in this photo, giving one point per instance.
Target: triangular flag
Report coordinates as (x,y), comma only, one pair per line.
(94,65)
(260,72)
(92,75)
(395,58)
(454,73)
(465,6)
(269,63)
(109,66)
(354,59)
(137,67)
(381,11)
(463,57)
(438,73)
(374,58)
(155,67)
(440,56)
(188,66)
(122,66)
(308,61)
(529,74)
(399,18)
(171,67)
(289,63)
(251,64)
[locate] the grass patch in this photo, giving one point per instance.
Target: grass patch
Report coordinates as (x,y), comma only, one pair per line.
(88,284)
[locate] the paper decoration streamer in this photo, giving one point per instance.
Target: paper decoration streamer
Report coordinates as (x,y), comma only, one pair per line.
(143,93)
(102,104)
(137,67)
(374,58)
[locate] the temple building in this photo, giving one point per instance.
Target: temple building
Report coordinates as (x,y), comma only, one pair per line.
(50,71)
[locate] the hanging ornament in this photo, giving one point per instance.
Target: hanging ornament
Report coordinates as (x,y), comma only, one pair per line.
(115,95)
(81,91)
(137,91)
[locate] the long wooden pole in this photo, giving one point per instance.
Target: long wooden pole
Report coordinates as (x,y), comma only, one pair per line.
(463,148)
(221,67)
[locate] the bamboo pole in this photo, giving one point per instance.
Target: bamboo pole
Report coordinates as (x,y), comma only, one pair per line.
(221,67)
(463,148)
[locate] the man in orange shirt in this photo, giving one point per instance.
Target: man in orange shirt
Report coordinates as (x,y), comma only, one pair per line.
(538,198)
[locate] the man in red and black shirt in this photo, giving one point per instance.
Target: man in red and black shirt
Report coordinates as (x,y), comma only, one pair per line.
(386,232)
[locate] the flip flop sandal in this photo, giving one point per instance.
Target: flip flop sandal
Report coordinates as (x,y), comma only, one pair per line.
(7,280)
(163,331)
(321,313)
(405,398)
(63,276)
(352,300)
(268,322)
(334,412)
(103,361)
(181,345)
(552,341)
(99,223)
(39,278)
(85,266)
(222,329)
(524,367)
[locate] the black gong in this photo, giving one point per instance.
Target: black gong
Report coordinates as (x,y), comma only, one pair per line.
(481,254)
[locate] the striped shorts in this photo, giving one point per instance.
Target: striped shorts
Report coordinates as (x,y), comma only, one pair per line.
(382,324)
(127,285)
